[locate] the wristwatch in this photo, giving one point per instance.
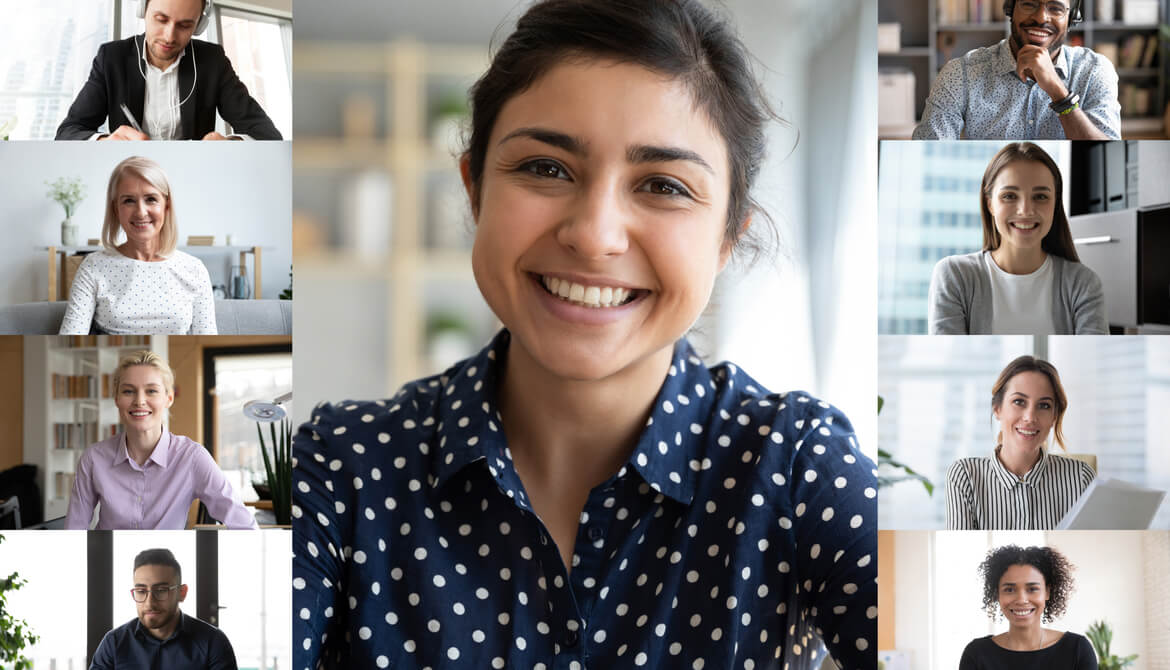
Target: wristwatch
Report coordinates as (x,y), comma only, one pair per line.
(1066,105)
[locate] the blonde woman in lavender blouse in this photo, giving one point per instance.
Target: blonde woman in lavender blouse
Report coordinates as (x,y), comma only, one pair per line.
(145,477)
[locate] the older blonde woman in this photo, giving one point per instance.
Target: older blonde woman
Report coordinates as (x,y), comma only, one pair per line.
(145,477)
(142,285)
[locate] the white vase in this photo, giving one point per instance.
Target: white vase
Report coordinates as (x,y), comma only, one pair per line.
(68,233)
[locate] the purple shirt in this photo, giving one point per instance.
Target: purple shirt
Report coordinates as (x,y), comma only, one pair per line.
(156,495)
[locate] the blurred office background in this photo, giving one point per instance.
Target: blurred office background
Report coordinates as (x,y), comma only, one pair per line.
(937,393)
(931,592)
(78,587)
(1115,193)
(49,46)
(382,229)
(917,37)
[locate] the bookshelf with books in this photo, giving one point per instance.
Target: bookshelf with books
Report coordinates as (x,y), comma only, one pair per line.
(69,404)
(1127,32)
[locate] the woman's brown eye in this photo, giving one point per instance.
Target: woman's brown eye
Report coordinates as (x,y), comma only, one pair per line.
(544,168)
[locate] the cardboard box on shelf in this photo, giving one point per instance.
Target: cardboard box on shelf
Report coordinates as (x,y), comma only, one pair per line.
(895,97)
(1143,12)
(889,38)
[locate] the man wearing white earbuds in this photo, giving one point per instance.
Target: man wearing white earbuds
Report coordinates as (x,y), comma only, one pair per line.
(164,85)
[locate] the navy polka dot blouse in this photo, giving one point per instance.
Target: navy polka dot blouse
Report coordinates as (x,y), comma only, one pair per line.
(741,533)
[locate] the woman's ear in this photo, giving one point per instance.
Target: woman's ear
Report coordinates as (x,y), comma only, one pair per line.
(469,185)
(729,245)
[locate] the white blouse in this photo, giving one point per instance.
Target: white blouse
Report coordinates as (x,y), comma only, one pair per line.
(124,296)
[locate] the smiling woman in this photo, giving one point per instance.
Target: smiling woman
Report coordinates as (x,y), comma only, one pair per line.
(145,477)
(1028,278)
(586,489)
(1029,587)
(1021,486)
(143,286)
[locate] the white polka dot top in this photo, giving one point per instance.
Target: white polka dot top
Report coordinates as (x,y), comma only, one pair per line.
(124,296)
(741,533)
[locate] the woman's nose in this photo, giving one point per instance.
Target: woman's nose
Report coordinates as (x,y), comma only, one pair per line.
(596,224)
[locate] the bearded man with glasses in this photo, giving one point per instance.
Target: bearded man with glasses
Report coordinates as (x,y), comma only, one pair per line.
(1029,86)
(162,636)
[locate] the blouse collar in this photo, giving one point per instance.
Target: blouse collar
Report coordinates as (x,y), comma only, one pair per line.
(1030,478)
(667,455)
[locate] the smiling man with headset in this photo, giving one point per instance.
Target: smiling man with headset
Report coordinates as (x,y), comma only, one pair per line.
(163,85)
(1030,85)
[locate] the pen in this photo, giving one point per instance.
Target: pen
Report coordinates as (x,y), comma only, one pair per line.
(130,117)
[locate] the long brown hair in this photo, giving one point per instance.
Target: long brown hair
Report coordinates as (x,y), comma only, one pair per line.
(1058,241)
(1032,364)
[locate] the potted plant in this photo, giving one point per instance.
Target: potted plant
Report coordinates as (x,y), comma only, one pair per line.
(1101,635)
(67,192)
(15,634)
(278,469)
(7,128)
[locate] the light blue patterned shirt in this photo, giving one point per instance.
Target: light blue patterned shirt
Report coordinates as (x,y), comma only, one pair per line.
(980,97)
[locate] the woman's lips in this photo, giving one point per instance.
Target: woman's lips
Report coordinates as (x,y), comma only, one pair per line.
(581,313)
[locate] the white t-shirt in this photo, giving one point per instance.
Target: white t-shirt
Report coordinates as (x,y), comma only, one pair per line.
(1021,303)
(125,296)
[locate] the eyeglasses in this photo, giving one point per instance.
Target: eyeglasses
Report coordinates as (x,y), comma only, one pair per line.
(159,592)
(1054,9)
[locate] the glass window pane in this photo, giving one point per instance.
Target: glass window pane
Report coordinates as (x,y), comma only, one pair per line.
(239,379)
(46,59)
(53,565)
(256,596)
(256,49)
(1118,389)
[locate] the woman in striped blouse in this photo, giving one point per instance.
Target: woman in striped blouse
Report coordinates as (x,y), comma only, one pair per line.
(1021,486)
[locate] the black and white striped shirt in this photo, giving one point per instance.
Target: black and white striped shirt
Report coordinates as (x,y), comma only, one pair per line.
(983,495)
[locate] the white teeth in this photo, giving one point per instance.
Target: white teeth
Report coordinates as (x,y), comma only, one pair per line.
(1024,226)
(590,296)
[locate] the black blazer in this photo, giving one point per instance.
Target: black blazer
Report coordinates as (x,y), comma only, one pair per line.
(116,78)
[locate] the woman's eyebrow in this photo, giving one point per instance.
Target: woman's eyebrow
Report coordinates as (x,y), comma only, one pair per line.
(643,153)
(560,140)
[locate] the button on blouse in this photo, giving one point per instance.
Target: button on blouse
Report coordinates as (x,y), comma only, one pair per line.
(741,533)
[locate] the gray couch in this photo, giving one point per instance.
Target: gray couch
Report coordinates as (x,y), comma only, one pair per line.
(232,317)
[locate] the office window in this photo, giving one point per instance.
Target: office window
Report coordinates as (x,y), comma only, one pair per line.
(53,598)
(239,378)
(45,60)
(260,49)
(255,597)
(1119,389)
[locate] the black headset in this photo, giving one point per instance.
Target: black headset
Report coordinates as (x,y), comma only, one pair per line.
(1074,10)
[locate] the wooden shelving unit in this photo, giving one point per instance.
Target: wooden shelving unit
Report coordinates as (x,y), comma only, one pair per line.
(69,404)
(376,121)
(927,45)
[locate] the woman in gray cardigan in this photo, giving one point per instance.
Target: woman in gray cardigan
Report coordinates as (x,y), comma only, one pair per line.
(1028,278)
